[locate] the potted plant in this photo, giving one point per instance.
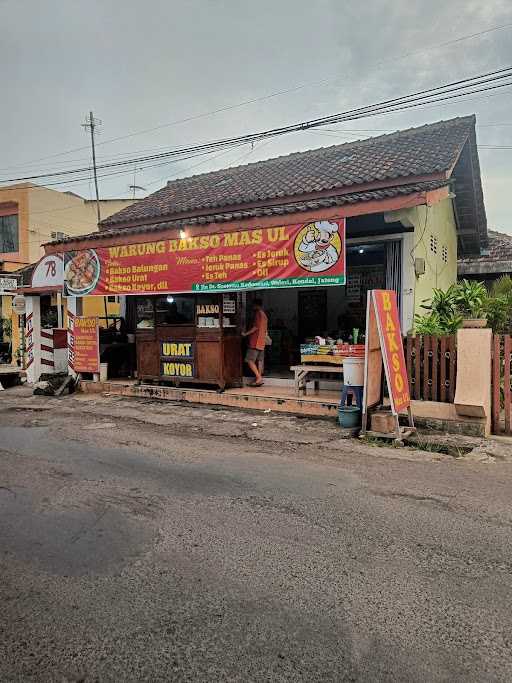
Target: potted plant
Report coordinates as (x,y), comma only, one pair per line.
(471,299)
(442,317)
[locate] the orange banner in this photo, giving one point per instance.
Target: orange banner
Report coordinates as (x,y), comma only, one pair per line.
(388,323)
(86,346)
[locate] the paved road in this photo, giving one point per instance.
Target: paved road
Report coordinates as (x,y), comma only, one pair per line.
(167,543)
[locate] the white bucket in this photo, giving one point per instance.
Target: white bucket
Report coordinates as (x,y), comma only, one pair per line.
(103,372)
(353,372)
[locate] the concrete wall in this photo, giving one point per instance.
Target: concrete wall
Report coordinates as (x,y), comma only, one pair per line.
(433,226)
(54,211)
(18,195)
(42,211)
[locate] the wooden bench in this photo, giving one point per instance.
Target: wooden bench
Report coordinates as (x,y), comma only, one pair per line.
(301,373)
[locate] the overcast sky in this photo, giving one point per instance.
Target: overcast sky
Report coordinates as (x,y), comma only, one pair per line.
(140,65)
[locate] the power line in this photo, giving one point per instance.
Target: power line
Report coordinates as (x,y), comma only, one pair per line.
(278,93)
(454,90)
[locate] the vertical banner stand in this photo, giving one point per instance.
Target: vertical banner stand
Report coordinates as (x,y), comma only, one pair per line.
(384,348)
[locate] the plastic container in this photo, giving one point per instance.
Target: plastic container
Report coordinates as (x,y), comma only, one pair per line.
(353,372)
(103,372)
(349,416)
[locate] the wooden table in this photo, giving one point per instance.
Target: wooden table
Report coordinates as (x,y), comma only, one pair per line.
(301,373)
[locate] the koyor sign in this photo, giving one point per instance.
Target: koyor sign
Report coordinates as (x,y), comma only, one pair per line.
(300,255)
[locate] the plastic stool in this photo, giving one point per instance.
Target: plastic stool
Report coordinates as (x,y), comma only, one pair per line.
(357,393)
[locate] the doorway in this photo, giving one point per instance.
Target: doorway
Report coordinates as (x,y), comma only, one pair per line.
(312,312)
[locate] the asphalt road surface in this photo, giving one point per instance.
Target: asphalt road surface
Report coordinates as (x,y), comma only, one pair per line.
(158,542)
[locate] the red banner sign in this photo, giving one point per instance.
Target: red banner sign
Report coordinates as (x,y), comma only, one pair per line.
(388,323)
(86,345)
(303,255)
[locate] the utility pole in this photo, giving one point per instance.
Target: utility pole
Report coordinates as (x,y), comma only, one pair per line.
(91,123)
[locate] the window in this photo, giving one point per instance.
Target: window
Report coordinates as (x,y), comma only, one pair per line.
(145,316)
(175,309)
(433,244)
(9,238)
(444,253)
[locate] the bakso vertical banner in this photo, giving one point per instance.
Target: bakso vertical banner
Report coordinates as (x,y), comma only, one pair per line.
(86,345)
(388,323)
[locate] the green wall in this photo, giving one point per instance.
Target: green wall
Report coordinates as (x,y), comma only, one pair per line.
(435,240)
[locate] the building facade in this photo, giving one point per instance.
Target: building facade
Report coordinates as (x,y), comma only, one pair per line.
(408,202)
(31,215)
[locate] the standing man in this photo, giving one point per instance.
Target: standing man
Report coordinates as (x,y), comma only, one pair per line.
(256,343)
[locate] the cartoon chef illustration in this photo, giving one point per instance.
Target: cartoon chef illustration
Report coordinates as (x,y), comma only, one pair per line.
(319,246)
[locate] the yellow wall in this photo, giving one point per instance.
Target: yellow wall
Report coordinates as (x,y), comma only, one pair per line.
(436,221)
(6,312)
(53,211)
(94,305)
(42,211)
(14,260)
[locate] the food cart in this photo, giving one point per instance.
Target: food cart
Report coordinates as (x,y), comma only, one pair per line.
(189,339)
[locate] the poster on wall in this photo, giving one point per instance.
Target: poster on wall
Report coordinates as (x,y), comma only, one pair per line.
(86,346)
(384,349)
(300,255)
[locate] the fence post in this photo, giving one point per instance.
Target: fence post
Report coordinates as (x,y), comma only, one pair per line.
(496,376)
(474,365)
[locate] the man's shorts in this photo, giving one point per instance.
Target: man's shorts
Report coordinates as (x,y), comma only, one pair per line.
(254,355)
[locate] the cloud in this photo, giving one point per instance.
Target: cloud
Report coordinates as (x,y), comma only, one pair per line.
(139,65)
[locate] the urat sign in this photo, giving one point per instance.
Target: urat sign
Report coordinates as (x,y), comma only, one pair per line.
(177,349)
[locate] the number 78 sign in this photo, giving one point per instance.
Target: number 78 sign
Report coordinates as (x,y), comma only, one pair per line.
(49,272)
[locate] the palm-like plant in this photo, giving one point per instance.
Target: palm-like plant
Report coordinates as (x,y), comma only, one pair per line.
(470,298)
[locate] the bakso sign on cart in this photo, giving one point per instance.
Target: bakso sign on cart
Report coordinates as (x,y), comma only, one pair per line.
(384,347)
(300,255)
(85,345)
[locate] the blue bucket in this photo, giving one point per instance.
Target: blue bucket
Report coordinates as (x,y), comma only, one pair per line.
(349,416)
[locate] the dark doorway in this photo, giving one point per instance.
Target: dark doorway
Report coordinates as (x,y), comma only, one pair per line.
(312,313)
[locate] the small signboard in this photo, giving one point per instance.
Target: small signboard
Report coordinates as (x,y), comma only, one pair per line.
(177,359)
(7,283)
(384,348)
(86,344)
(228,304)
(49,272)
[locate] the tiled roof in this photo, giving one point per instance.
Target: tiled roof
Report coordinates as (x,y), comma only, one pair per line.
(274,210)
(496,258)
(416,152)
